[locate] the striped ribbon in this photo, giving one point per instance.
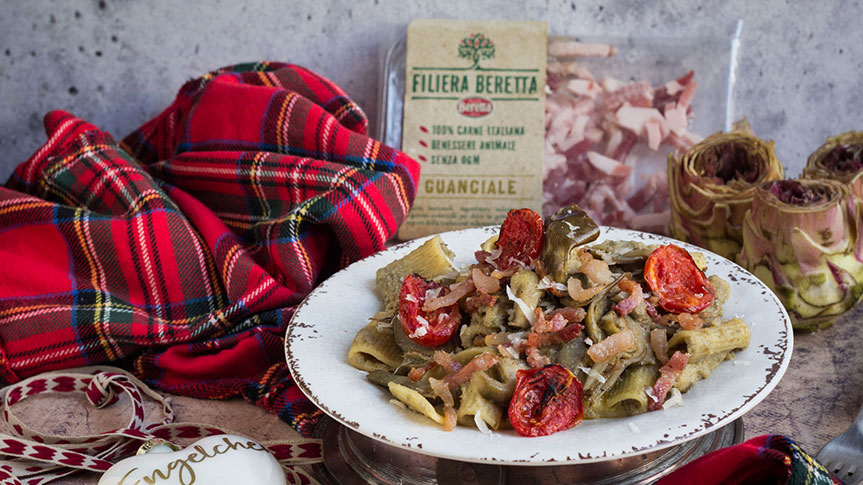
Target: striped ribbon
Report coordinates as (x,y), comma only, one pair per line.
(34,458)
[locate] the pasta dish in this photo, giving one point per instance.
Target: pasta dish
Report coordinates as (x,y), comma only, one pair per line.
(545,329)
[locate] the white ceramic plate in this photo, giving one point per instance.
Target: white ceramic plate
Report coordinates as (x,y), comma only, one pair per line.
(324,326)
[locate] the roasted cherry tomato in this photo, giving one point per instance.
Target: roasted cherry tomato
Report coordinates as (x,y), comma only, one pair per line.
(674,277)
(546,400)
(520,240)
(427,328)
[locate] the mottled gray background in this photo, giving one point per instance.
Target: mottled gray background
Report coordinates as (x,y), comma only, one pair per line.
(117,63)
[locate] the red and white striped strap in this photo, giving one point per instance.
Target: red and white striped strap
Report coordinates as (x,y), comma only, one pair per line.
(34,458)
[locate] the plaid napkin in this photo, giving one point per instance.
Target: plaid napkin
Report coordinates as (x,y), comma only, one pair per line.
(182,252)
(768,459)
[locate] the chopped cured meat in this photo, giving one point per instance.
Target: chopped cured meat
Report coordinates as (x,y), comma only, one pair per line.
(474,303)
(669,373)
(446,361)
(484,283)
(659,344)
(630,303)
(637,119)
(579,294)
(536,359)
(638,94)
(417,373)
(580,49)
(584,87)
(671,91)
(596,270)
(543,325)
(571,314)
(480,362)
(599,134)
(458,292)
(440,388)
(608,166)
(612,345)
(689,321)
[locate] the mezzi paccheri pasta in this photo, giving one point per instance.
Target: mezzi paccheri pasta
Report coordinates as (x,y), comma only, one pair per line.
(547,328)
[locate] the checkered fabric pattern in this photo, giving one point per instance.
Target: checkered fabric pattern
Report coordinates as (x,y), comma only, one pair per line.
(181,252)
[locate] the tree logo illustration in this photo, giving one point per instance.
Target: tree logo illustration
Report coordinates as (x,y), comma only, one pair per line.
(476,47)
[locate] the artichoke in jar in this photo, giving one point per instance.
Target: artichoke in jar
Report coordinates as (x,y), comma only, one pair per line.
(839,158)
(711,187)
(802,239)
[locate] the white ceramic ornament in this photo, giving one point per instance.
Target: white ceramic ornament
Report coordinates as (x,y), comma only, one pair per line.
(223,459)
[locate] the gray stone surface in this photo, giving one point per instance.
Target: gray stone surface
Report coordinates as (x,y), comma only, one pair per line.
(117,63)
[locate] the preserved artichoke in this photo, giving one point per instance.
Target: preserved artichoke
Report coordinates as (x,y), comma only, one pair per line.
(839,158)
(801,239)
(566,230)
(711,187)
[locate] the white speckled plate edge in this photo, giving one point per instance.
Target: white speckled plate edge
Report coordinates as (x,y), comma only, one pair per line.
(324,325)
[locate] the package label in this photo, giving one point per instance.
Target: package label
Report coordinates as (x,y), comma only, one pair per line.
(474,118)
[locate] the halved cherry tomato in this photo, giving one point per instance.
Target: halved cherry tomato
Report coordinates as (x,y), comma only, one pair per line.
(428,329)
(520,240)
(673,276)
(546,400)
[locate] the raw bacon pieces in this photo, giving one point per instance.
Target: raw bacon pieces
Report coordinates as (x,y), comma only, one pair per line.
(593,127)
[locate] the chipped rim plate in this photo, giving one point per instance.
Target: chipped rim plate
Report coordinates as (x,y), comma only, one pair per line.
(324,325)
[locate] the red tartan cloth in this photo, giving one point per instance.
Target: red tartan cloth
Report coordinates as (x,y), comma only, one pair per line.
(182,252)
(765,460)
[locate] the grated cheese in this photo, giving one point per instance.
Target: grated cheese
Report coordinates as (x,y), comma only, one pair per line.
(422,329)
(588,341)
(546,282)
(525,309)
(740,363)
(480,424)
(508,350)
(412,298)
(398,404)
(592,373)
(633,428)
(649,392)
(676,399)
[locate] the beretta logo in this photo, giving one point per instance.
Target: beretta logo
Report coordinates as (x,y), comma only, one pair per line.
(474,48)
(474,107)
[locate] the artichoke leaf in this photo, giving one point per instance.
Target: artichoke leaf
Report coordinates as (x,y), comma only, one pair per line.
(599,306)
(566,230)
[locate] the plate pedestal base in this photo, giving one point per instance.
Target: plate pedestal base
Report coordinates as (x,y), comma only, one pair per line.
(353,459)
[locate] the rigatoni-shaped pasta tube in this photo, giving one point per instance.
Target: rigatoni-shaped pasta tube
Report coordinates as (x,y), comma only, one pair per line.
(729,335)
(431,259)
(700,369)
(628,397)
(374,347)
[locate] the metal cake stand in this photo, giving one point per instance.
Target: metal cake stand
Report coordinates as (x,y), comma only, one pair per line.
(351,458)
